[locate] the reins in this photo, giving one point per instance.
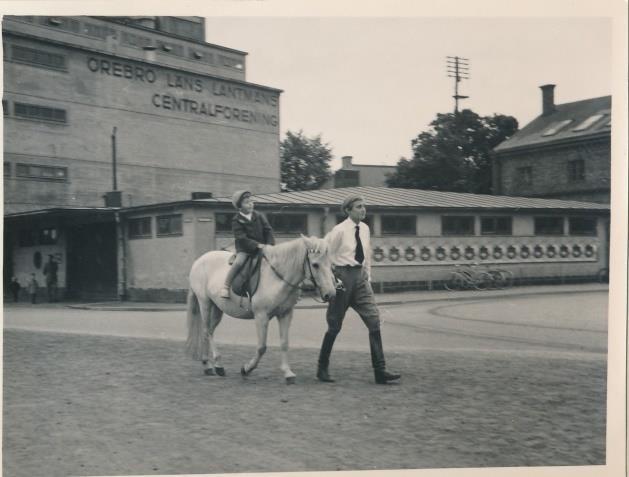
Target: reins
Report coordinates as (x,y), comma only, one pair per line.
(298,286)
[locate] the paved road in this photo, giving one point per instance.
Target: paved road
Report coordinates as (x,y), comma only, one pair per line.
(562,322)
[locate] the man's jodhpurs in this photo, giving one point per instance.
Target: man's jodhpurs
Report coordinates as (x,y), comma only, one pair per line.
(358,294)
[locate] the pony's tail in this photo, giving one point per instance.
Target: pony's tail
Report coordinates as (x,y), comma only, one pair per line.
(194,343)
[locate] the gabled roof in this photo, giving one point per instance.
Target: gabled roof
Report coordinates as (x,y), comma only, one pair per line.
(577,112)
(416,198)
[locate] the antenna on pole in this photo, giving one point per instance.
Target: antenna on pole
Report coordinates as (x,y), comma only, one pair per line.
(458,68)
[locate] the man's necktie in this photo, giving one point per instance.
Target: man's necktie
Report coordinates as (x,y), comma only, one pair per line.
(360,254)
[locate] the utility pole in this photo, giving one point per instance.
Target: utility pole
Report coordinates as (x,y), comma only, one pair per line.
(458,68)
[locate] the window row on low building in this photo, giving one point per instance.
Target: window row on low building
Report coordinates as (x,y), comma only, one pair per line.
(391,225)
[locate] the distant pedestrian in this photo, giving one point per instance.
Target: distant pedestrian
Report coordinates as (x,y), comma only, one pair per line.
(50,272)
(15,287)
(32,288)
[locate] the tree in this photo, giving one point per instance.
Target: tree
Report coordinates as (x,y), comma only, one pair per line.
(304,162)
(454,155)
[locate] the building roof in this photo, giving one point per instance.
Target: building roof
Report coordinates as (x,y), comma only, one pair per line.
(413,198)
(574,114)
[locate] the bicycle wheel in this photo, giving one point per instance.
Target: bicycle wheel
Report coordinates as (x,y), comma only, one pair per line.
(499,280)
(483,281)
(455,282)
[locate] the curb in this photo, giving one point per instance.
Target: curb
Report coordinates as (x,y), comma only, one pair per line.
(451,297)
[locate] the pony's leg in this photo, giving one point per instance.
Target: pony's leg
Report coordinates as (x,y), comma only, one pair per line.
(284,322)
(204,308)
(262,326)
(216,314)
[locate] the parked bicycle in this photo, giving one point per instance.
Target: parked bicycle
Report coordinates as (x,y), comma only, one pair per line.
(465,277)
(477,277)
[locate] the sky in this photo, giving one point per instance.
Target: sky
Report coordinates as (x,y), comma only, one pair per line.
(369,85)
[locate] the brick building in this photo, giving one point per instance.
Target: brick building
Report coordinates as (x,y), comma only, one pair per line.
(565,153)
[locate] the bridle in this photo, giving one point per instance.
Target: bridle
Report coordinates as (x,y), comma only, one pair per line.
(298,286)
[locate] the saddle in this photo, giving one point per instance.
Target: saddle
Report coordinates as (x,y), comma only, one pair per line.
(245,283)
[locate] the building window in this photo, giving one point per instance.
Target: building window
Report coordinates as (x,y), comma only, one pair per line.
(457,225)
(524,176)
(140,227)
(588,122)
(169,225)
(496,226)
(7,169)
(399,225)
(556,127)
(583,226)
(5,107)
(288,223)
(38,58)
(48,236)
(51,173)
(32,237)
(223,221)
(40,113)
(576,170)
(548,225)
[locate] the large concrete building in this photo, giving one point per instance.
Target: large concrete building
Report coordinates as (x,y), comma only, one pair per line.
(175,113)
(359,175)
(565,153)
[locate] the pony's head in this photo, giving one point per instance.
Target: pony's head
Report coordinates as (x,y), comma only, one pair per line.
(320,267)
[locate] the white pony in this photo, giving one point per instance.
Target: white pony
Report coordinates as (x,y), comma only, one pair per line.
(283,268)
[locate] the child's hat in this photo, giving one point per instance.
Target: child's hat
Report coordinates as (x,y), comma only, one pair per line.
(239,196)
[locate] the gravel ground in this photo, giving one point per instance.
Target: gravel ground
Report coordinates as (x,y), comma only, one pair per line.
(97,405)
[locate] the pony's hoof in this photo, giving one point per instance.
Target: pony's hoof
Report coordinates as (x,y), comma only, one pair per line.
(208,372)
(220,371)
(243,373)
(291,380)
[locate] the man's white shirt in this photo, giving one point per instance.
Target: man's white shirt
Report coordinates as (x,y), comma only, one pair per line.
(342,244)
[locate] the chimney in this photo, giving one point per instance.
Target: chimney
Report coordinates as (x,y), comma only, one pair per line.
(548,99)
(347,162)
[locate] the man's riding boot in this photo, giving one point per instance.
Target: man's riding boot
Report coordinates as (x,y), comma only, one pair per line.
(377,359)
(324,358)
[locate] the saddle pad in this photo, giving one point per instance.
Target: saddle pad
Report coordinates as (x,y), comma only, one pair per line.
(246,282)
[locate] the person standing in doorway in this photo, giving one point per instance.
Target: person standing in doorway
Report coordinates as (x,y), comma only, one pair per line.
(350,251)
(50,272)
(32,288)
(15,287)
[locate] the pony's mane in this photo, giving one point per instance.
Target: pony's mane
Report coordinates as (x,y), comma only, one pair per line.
(290,255)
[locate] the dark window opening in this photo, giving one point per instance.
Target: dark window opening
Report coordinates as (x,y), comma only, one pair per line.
(42,113)
(576,170)
(496,226)
(39,58)
(223,221)
(583,226)
(33,171)
(548,225)
(288,223)
(140,227)
(169,225)
(457,225)
(399,225)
